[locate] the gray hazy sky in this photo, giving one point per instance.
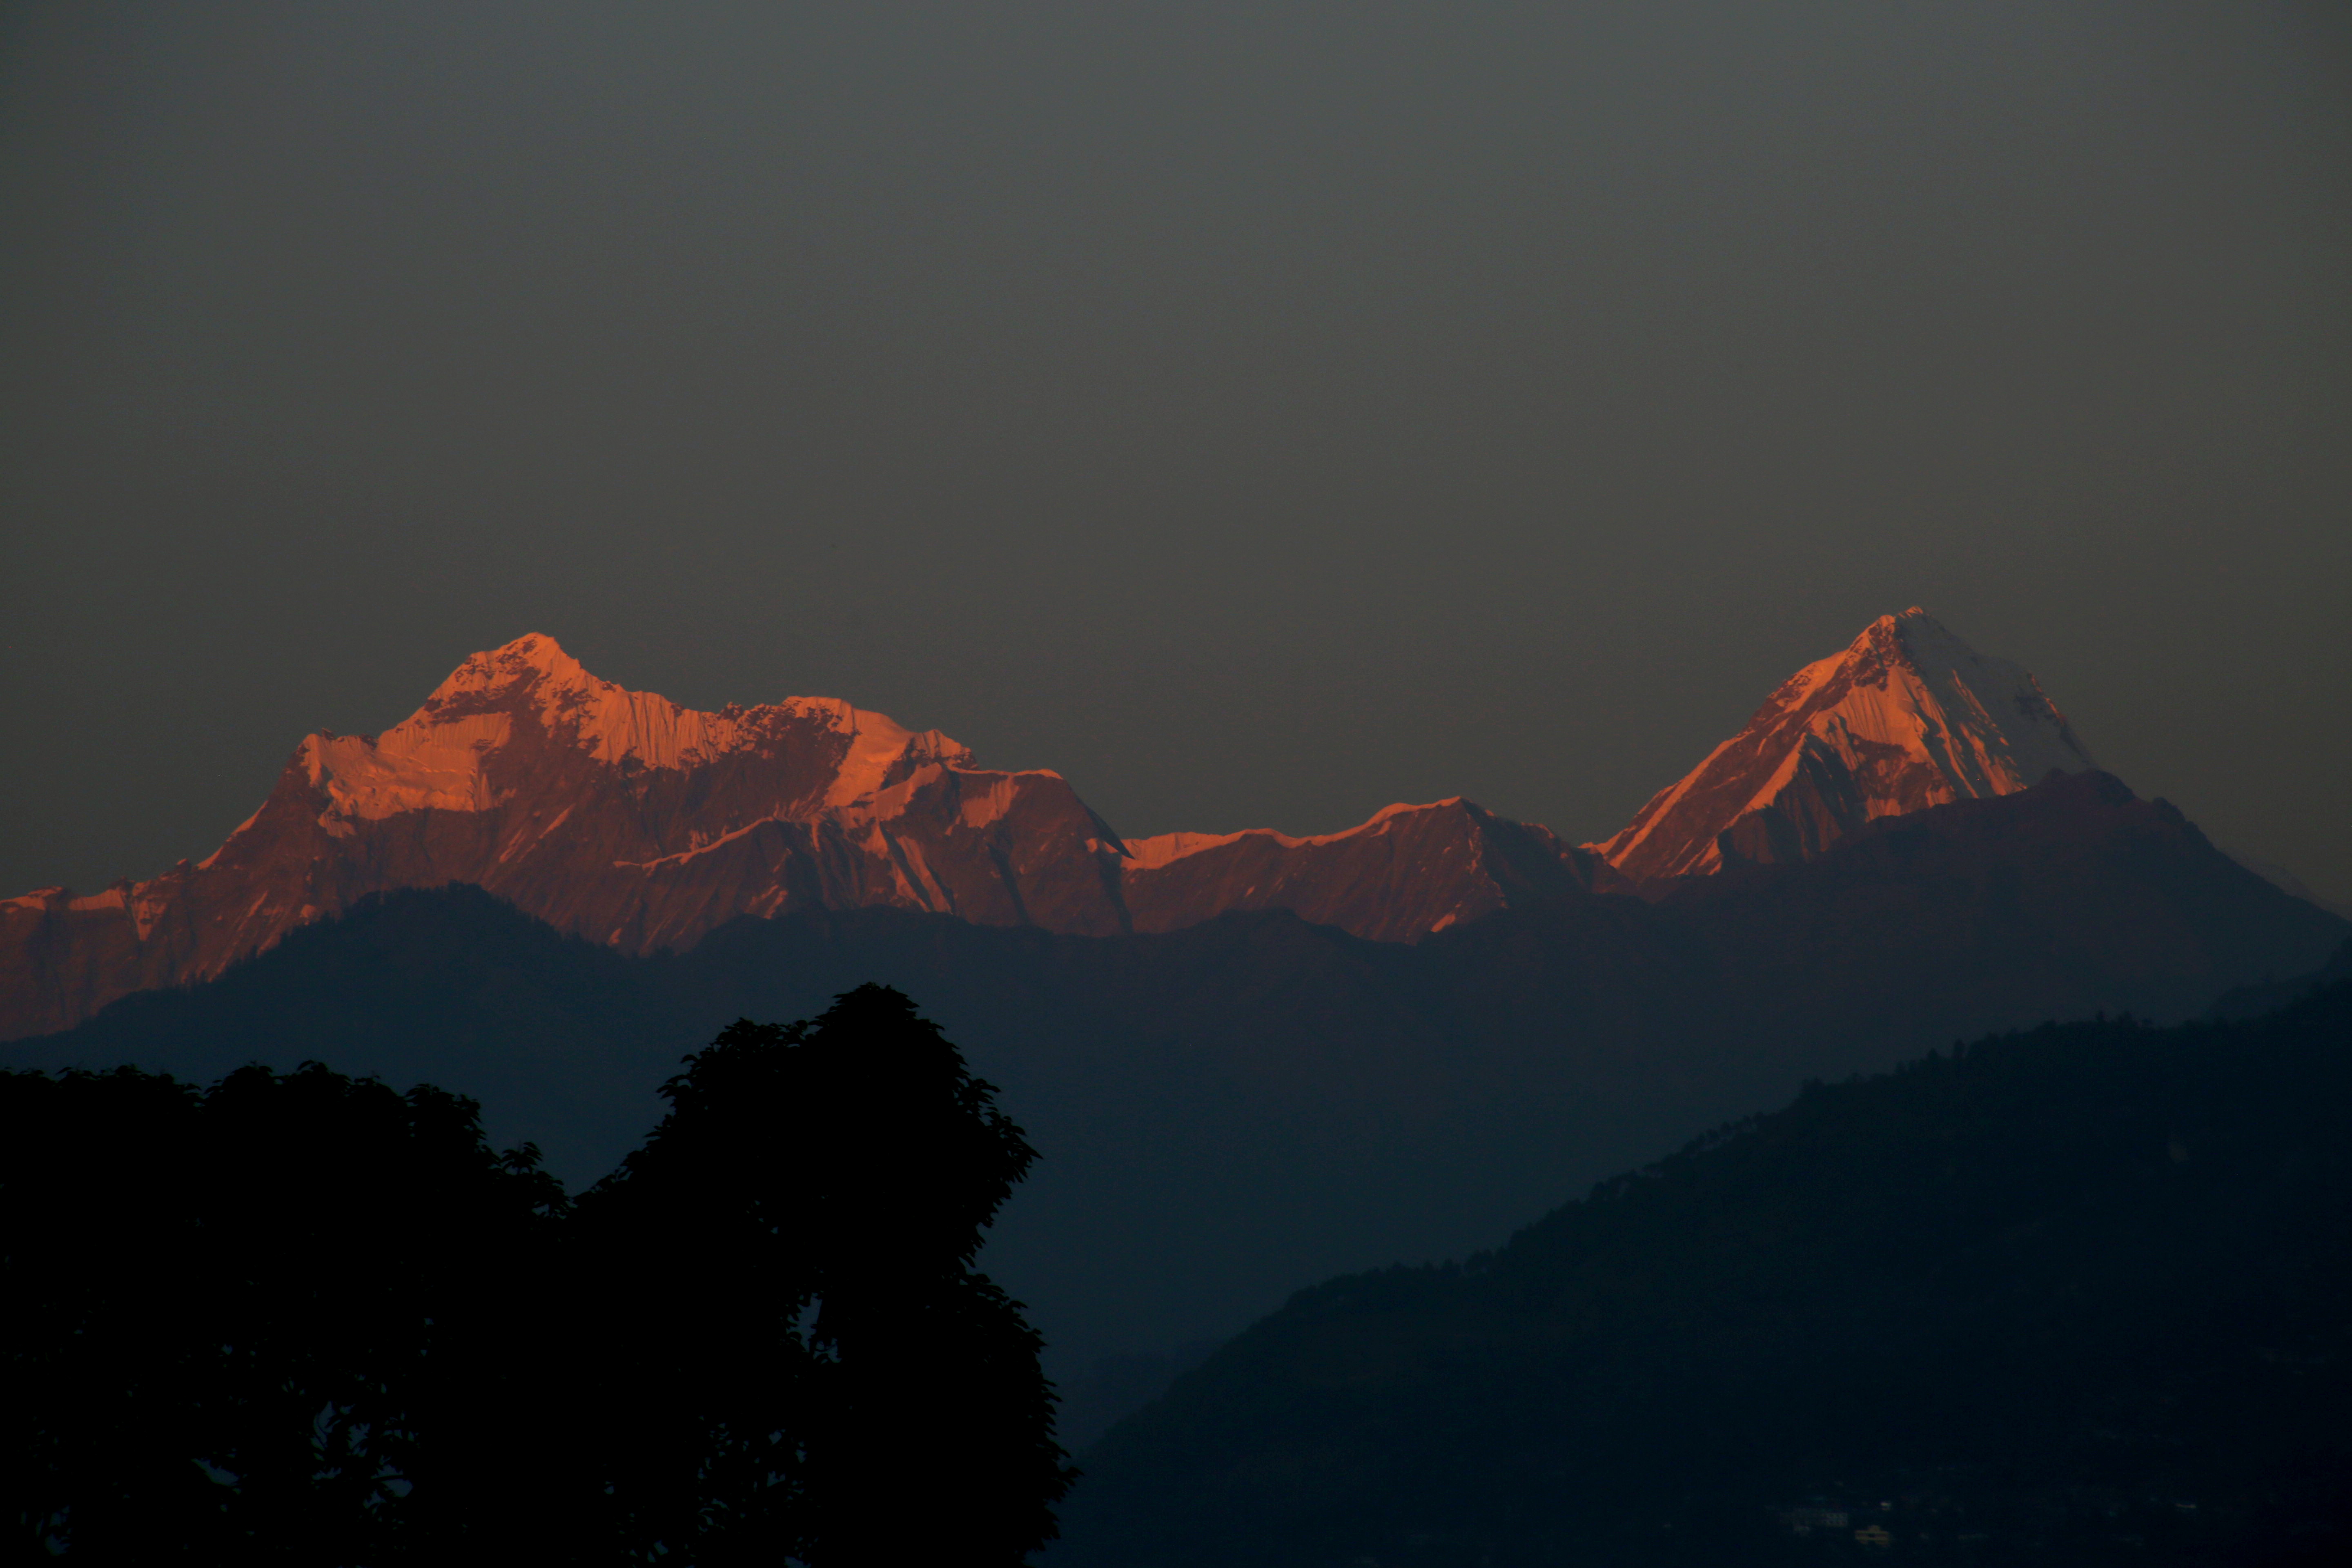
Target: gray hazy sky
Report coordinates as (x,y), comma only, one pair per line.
(1258,413)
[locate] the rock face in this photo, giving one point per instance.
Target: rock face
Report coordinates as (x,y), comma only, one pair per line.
(611,814)
(1907,717)
(1410,871)
(621,817)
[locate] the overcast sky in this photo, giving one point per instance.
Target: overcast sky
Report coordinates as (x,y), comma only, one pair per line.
(1257,413)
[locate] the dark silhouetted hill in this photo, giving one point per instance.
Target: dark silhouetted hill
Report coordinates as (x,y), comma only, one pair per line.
(1231,1109)
(2082,1295)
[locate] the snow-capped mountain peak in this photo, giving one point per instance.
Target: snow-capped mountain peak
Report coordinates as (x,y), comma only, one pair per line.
(1906,717)
(630,819)
(532,695)
(616,814)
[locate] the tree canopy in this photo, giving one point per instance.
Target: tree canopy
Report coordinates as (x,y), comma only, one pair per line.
(301,1318)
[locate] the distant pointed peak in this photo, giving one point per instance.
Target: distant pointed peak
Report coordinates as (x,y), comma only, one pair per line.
(533,682)
(1909,714)
(1896,627)
(537,650)
(533,658)
(1913,637)
(534,648)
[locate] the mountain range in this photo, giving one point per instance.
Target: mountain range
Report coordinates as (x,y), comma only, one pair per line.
(626,818)
(1248,1060)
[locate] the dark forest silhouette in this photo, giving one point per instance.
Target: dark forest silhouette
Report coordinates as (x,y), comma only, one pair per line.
(2076,1296)
(306,1319)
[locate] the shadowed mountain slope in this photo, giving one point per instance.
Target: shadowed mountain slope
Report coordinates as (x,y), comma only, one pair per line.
(1254,1101)
(2072,897)
(2078,1296)
(1410,871)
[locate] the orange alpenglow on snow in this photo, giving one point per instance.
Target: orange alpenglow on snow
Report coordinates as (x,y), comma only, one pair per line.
(1907,717)
(630,819)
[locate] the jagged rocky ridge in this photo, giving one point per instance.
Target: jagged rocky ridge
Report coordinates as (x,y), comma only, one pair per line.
(1907,717)
(631,820)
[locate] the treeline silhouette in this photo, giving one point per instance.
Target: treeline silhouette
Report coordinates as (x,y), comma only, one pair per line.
(2081,1295)
(303,1318)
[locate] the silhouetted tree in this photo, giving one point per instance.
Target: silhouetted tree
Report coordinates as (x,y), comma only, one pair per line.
(304,1318)
(233,1319)
(815,1366)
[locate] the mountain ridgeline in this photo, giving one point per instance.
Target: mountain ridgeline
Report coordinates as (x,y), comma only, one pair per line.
(628,819)
(2080,1296)
(623,817)
(1231,1108)
(1247,1059)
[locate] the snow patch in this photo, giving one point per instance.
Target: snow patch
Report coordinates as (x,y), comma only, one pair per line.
(413,767)
(518,842)
(683,856)
(989,805)
(1150,854)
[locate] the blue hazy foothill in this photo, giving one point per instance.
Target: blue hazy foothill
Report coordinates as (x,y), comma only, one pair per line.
(1227,1110)
(2081,1295)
